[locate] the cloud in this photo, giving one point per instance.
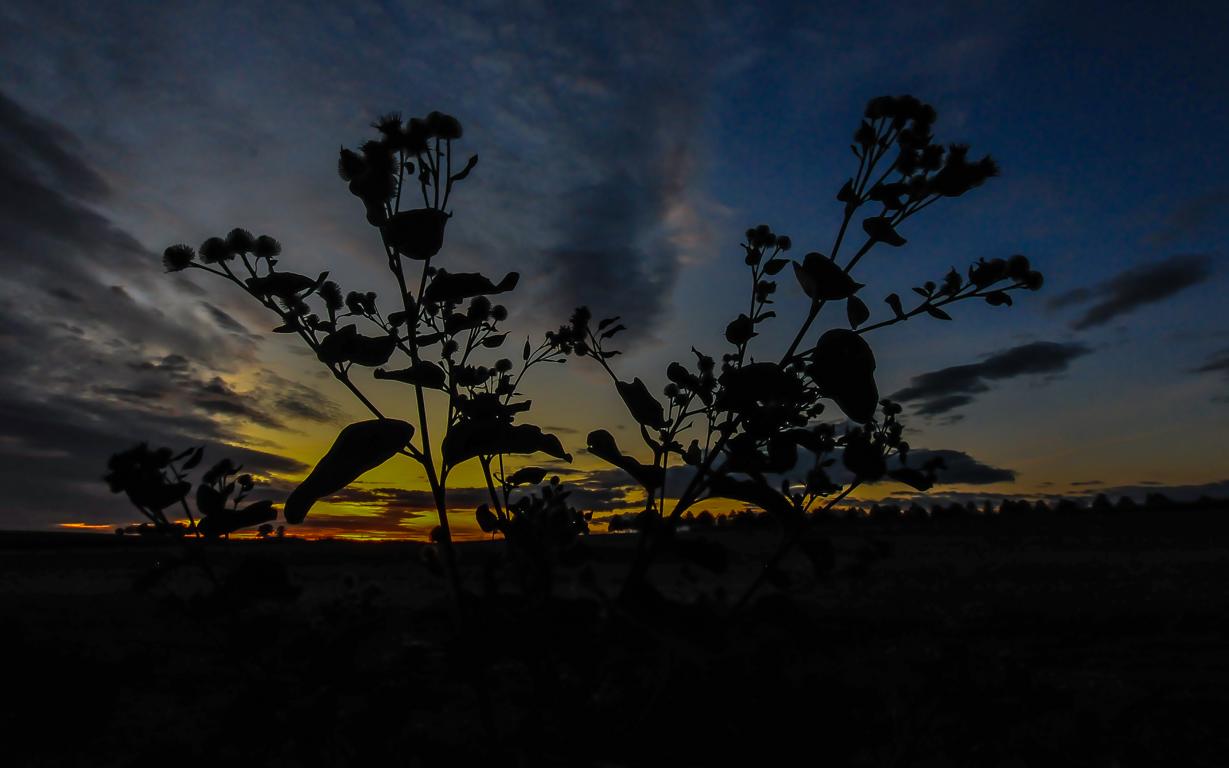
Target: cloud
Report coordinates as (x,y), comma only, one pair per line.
(939,392)
(1190,217)
(959,468)
(1217,489)
(1135,288)
(92,362)
(1217,364)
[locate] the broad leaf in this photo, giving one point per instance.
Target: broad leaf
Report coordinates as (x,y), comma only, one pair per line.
(424,373)
(756,383)
(487,437)
(527,476)
(880,229)
(284,285)
(602,445)
(751,492)
(843,366)
(209,501)
(823,280)
(912,477)
(359,448)
(229,521)
(418,233)
(863,458)
(643,406)
(856,311)
(455,287)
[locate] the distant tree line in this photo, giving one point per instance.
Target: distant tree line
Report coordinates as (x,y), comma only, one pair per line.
(1014,509)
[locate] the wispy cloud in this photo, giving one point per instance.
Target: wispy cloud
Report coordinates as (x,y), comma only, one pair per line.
(1136,287)
(92,361)
(947,389)
(1191,218)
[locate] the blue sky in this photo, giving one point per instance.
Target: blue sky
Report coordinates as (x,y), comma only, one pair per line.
(624,146)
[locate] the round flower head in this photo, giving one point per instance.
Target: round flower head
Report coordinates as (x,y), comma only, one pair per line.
(1018,267)
(389,125)
(330,291)
(266,247)
(215,250)
(444,126)
(240,240)
(479,308)
(178,257)
(416,136)
(349,165)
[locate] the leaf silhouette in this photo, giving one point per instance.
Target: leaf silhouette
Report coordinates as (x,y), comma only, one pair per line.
(360,447)
(643,406)
(856,311)
(197,455)
(455,287)
(740,330)
(346,345)
(209,500)
(424,373)
(844,368)
(602,445)
(862,457)
(823,280)
(751,492)
(527,476)
(337,346)
(372,351)
(419,233)
(756,382)
(229,521)
(284,285)
(912,477)
(487,437)
(881,230)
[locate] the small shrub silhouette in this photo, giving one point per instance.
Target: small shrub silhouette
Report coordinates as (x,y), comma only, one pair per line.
(156,480)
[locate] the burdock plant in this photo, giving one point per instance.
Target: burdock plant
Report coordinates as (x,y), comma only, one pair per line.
(754,427)
(157,480)
(437,340)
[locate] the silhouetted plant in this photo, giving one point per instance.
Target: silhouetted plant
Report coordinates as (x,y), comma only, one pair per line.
(758,434)
(156,480)
(442,324)
(541,527)
(756,427)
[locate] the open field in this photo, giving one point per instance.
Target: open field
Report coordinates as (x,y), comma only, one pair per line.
(1092,644)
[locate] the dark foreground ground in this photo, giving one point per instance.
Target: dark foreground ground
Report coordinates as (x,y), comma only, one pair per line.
(1090,645)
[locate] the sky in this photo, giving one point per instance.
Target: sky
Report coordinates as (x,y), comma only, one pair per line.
(624,149)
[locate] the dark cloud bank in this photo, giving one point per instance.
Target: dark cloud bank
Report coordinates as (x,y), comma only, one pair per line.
(1136,287)
(89,369)
(947,389)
